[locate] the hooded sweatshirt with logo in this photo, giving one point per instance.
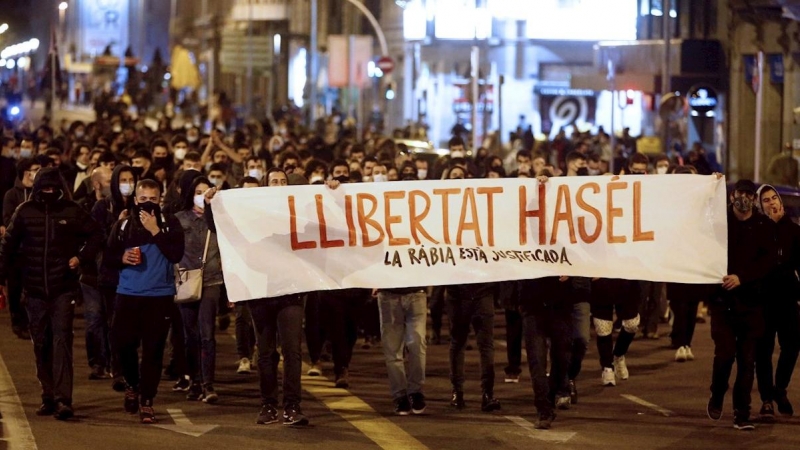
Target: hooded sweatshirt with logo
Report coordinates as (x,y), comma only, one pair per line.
(43,235)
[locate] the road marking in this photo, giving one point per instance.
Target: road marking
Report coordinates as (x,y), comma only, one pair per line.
(360,415)
(185,426)
(663,411)
(558,437)
(17,431)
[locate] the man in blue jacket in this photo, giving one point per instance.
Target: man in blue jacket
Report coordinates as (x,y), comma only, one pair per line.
(144,247)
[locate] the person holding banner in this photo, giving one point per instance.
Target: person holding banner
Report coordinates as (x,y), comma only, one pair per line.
(737,320)
(781,293)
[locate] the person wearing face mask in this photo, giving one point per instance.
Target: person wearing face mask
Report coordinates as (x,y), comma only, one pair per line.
(380,172)
(199,318)
(106,212)
(144,246)
(662,164)
(736,309)
(781,318)
(255,168)
(576,164)
(422,168)
(180,147)
(217,177)
(50,236)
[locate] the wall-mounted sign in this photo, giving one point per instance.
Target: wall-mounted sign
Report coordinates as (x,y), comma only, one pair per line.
(702,99)
(775,67)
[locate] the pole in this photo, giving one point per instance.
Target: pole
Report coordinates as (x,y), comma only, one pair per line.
(759,114)
(313,56)
(500,82)
(474,61)
(351,76)
(666,72)
(248,88)
(612,81)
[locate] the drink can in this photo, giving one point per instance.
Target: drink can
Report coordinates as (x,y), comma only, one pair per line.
(138,253)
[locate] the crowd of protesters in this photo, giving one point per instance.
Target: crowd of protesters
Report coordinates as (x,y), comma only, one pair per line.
(105,211)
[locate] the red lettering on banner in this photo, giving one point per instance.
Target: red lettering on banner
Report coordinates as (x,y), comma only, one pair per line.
(296,244)
(524,214)
(351,226)
(586,237)
(366,219)
(490,192)
(612,212)
(473,225)
(563,198)
(445,193)
(389,219)
(323,227)
(416,219)
(638,234)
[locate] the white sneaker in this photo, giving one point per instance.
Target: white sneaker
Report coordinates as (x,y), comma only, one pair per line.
(244,366)
(315,370)
(689,354)
(620,367)
(680,354)
(609,378)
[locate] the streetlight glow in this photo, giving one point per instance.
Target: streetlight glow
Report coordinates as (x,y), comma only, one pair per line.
(63,6)
(3,28)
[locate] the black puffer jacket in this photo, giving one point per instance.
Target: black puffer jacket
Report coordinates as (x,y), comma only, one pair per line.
(43,237)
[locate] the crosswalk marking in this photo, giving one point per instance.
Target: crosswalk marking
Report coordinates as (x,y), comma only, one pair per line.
(17,431)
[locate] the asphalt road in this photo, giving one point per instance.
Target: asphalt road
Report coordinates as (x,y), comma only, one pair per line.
(662,405)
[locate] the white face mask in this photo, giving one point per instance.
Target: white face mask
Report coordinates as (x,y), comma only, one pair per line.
(594,171)
(256,173)
(316,179)
(192,138)
(422,174)
(25,153)
(661,170)
(180,154)
(126,189)
(457,155)
(200,201)
(115,129)
(216,181)
(79,134)
(379,177)
(81,165)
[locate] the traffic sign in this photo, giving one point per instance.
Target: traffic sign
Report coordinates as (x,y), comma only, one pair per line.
(386,64)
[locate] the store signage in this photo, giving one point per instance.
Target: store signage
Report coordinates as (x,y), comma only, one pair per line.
(703,99)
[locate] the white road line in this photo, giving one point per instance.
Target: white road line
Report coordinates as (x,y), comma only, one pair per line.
(663,411)
(559,437)
(16,429)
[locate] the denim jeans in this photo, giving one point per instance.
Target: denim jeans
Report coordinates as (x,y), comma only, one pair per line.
(554,325)
(272,317)
(403,325)
(96,314)
(199,324)
(245,333)
(478,313)
(50,325)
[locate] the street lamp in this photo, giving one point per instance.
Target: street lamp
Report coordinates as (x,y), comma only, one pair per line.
(63,6)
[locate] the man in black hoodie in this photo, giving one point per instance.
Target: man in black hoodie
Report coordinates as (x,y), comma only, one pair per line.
(20,193)
(737,320)
(49,236)
(781,293)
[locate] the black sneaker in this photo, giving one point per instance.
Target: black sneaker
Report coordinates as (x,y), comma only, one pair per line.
(402,406)
(342,381)
(784,405)
(714,409)
(544,421)
(489,403)
(268,415)
(767,413)
(47,408)
(131,404)
(118,385)
(573,392)
(182,385)
(98,373)
(417,403)
(210,395)
(458,400)
(293,415)
(743,424)
(147,414)
(195,392)
(63,411)
(224,322)
(21,332)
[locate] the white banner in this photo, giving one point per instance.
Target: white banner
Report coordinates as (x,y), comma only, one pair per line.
(283,240)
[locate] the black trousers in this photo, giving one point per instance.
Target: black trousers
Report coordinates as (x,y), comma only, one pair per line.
(514,326)
(683,300)
(436,305)
(781,318)
(19,316)
(735,330)
(51,333)
(341,328)
(478,313)
(315,332)
(555,325)
(142,321)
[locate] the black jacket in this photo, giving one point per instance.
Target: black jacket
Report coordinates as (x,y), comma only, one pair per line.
(472,291)
(170,241)
(781,284)
(750,257)
(8,175)
(14,197)
(106,212)
(43,237)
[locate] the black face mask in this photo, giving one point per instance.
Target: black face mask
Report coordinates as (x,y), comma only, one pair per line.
(150,208)
(138,171)
(582,172)
(161,159)
(342,179)
(50,197)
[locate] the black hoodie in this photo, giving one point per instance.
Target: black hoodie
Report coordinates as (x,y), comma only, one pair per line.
(43,236)
(106,212)
(750,257)
(781,284)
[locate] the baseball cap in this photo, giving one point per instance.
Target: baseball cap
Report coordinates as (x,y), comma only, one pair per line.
(745,186)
